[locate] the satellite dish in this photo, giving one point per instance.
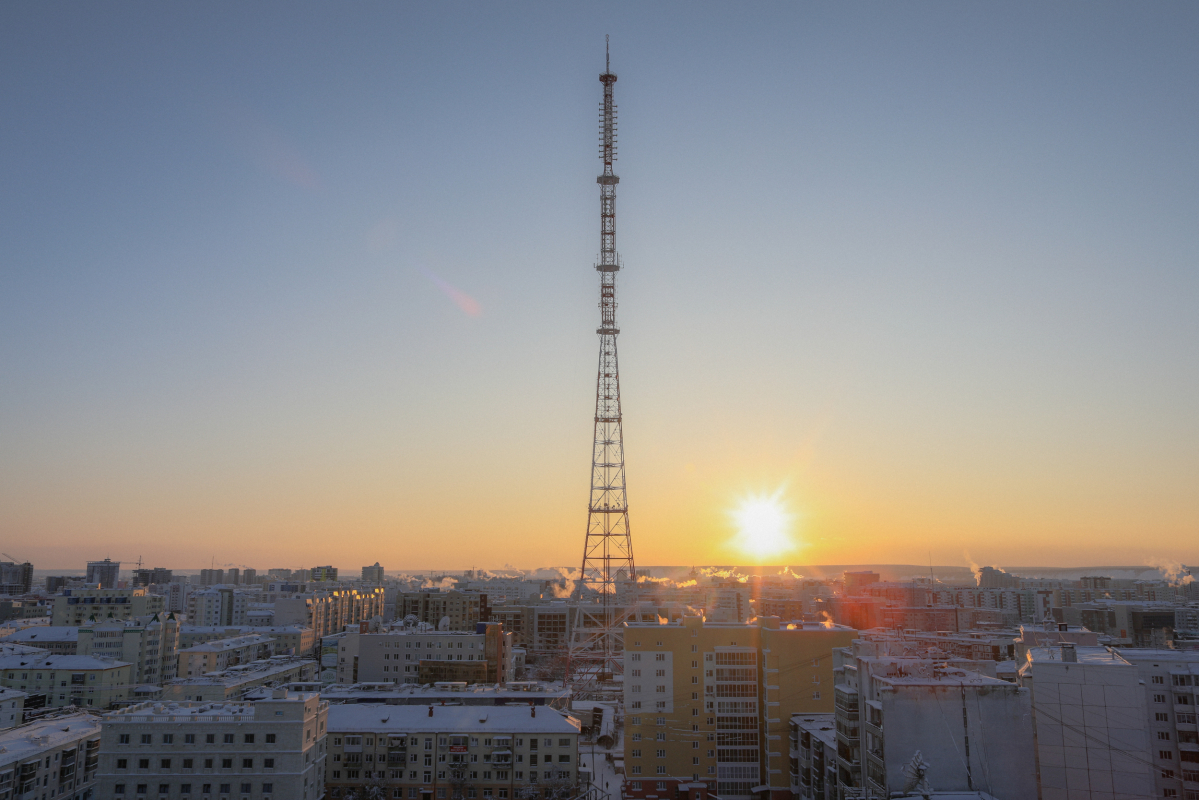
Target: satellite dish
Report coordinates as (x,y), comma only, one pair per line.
(915,776)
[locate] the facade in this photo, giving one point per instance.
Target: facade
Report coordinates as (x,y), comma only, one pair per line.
(15,578)
(708,705)
(104,573)
(233,683)
(12,708)
(1092,731)
(156,576)
(51,758)
(60,681)
(218,606)
(436,751)
(813,757)
(326,573)
(147,643)
(76,606)
(459,610)
(372,574)
(220,654)
(270,748)
(329,611)
(1170,678)
(406,655)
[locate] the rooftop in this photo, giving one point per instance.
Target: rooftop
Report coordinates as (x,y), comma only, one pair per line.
(45,633)
(26,741)
(252,670)
(51,661)
(154,711)
(400,720)
(232,643)
(1084,654)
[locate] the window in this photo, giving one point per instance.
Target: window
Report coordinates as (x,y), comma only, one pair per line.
(268,763)
(247,763)
(118,788)
(660,753)
(1165,755)
(165,763)
(1163,735)
(208,763)
(636,738)
(636,769)
(226,763)
(168,738)
(145,738)
(661,737)
(210,739)
(249,738)
(267,788)
(659,673)
(661,722)
(1161,717)
(635,656)
(225,787)
(659,656)
(189,738)
(270,738)
(228,738)
(185,788)
(187,763)
(141,788)
(660,770)
(123,738)
(1158,679)
(695,679)
(246,788)
(143,763)
(1159,698)
(636,753)
(164,788)
(122,763)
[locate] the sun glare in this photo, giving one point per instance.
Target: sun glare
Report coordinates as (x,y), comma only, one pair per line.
(763,526)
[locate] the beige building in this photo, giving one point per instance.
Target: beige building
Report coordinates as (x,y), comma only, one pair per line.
(270,748)
(50,758)
(148,643)
(60,681)
(77,606)
(328,611)
(422,752)
(61,640)
(234,682)
(708,705)
(460,611)
(220,654)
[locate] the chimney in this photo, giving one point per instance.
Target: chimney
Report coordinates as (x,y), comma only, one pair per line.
(1069,653)
(430,711)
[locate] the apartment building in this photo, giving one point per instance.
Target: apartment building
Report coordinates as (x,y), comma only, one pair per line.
(77,606)
(372,574)
(15,579)
(813,743)
(220,654)
(233,683)
(50,758)
(407,655)
(1091,721)
(708,705)
(460,610)
(271,748)
(61,640)
(218,606)
(57,681)
(289,639)
(147,643)
(12,708)
(436,751)
(104,574)
(1170,679)
(328,611)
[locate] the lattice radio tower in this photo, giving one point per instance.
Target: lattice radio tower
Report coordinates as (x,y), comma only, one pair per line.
(596,646)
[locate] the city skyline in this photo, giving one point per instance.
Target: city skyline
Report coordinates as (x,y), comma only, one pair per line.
(924,275)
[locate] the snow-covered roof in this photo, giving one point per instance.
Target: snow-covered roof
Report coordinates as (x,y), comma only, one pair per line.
(494,720)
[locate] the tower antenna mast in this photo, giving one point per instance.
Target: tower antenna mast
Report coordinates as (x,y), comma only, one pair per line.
(596,650)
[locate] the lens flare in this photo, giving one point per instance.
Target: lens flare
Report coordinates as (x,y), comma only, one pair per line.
(763,525)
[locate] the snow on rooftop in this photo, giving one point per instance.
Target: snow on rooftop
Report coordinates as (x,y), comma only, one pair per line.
(24,741)
(349,718)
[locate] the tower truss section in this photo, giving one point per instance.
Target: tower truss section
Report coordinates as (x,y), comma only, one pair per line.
(596,651)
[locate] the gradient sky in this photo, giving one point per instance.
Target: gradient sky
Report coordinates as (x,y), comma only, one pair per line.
(285,284)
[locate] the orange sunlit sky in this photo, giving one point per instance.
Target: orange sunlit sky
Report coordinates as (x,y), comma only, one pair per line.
(287,284)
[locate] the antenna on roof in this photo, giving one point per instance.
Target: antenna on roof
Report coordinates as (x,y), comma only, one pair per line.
(607,60)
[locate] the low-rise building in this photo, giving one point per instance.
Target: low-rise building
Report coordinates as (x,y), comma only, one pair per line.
(77,606)
(59,681)
(50,758)
(429,751)
(234,682)
(270,748)
(289,639)
(409,655)
(403,694)
(220,654)
(61,640)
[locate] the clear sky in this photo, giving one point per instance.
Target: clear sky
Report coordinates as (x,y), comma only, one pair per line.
(285,284)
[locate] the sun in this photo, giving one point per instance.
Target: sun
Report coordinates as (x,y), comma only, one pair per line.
(763,525)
